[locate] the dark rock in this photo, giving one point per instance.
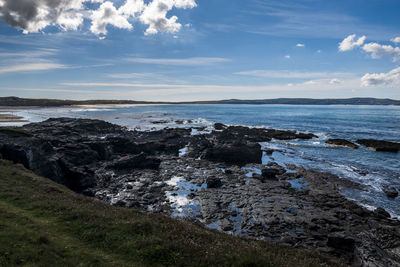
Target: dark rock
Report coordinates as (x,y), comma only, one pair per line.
(341,142)
(219,126)
(71,126)
(237,153)
(381,213)
(226,225)
(289,135)
(213,182)
(390,191)
(269,151)
(269,174)
(279,168)
(160,122)
(141,161)
(379,145)
(343,246)
(228,171)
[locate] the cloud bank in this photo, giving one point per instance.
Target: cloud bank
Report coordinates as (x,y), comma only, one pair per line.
(377,51)
(36,15)
(396,40)
(392,78)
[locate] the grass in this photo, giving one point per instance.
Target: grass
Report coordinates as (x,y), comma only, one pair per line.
(45,224)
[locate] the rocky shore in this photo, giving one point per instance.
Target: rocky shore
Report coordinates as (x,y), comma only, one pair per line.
(216,178)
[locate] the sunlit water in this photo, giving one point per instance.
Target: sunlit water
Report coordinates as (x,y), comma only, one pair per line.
(373,169)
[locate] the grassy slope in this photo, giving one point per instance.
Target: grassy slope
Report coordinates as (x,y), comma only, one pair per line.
(46,224)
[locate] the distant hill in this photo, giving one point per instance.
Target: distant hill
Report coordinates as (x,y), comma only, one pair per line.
(310,101)
(13,101)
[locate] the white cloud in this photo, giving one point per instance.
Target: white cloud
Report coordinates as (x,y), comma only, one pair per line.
(108,14)
(132,7)
(30,54)
(31,67)
(285,74)
(193,61)
(300,45)
(309,82)
(396,40)
(287,56)
(392,78)
(155,15)
(335,81)
(185,3)
(350,42)
(378,50)
(131,75)
(36,15)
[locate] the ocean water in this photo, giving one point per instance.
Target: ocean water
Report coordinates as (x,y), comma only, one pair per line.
(370,168)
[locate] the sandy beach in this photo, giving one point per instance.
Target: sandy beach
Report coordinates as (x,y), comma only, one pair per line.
(7,116)
(116,105)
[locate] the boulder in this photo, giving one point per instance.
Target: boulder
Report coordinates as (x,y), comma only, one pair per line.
(390,191)
(381,213)
(213,182)
(341,142)
(379,145)
(269,174)
(236,153)
(219,126)
(342,246)
(341,242)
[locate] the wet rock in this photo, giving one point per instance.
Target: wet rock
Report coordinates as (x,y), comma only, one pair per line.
(226,225)
(381,213)
(291,167)
(141,161)
(279,168)
(213,182)
(341,142)
(219,126)
(379,145)
(390,191)
(160,122)
(289,135)
(228,171)
(269,174)
(269,151)
(237,153)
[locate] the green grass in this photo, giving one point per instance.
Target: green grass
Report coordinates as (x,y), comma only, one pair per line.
(46,224)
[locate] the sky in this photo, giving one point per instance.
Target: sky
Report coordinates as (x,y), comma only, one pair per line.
(179,50)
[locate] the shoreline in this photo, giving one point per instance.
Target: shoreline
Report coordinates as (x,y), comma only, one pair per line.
(117,105)
(6,117)
(217,178)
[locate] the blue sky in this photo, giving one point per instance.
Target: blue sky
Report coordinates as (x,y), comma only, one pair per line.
(200,49)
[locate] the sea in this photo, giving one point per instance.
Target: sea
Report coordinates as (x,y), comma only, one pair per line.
(372,169)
